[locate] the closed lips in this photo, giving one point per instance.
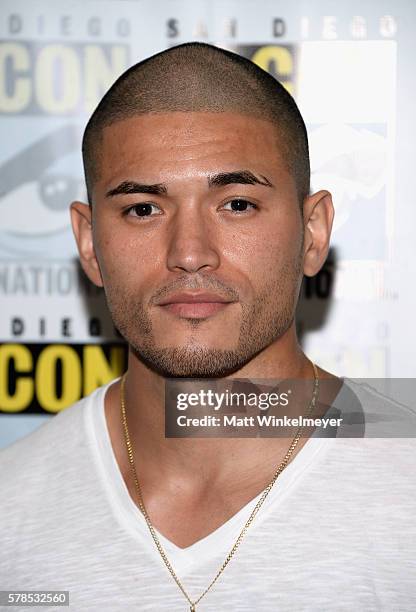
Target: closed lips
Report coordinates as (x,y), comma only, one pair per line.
(194,298)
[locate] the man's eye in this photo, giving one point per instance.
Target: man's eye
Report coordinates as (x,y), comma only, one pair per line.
(143,210)
(239,205)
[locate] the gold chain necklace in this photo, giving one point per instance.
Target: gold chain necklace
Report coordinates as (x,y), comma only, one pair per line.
(265,493)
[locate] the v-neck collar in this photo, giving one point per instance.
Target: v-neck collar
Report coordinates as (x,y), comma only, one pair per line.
(132,520)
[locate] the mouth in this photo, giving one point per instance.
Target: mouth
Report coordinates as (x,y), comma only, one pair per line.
(194,305)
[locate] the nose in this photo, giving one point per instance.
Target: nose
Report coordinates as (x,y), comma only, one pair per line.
(191,245)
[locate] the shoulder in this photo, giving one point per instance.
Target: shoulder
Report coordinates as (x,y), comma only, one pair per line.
(375,447)
(45,438)
(38,455)
(46,477)
(368,412)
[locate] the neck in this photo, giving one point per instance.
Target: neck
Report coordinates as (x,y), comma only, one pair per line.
(186,459)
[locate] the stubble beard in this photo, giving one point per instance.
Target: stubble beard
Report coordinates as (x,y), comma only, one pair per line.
(262,323)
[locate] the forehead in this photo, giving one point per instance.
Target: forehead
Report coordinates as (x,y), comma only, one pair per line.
(201,142)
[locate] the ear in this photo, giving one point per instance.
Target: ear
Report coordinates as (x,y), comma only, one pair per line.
(318,215)
(81,219)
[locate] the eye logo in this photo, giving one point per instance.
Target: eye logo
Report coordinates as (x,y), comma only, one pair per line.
(35,198)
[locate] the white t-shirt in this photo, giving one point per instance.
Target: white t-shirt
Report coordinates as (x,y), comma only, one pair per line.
(336,533)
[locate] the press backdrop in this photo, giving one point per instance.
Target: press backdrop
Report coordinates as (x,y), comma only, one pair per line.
(350,67)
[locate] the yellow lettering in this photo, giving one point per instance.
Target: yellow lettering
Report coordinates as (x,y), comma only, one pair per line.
(22,359)
(97,370)
(57,62)
(282,59)
(101,73)
(45,378)
(14,98)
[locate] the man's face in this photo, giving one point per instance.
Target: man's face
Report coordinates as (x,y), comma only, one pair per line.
(201,264)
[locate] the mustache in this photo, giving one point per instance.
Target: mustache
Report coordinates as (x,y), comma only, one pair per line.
(195,282)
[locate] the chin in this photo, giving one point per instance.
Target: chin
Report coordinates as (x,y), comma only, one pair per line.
(191,362)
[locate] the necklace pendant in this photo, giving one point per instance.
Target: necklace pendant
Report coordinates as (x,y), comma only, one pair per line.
(192,608)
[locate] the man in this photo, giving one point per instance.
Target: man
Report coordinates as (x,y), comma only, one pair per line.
(200,226)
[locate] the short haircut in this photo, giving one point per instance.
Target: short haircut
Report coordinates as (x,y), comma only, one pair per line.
(202,78)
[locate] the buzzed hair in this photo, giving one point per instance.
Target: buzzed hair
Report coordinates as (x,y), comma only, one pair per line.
(199,77)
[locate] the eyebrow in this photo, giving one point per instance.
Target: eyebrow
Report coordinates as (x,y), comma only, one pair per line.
(132,187)
(244,177)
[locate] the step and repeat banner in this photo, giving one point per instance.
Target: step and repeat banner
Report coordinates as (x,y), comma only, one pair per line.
(349,66)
